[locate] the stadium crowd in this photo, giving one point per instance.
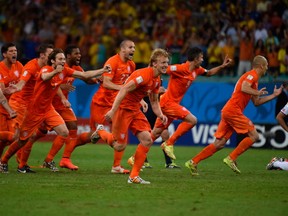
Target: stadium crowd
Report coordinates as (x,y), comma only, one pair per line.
(97,27)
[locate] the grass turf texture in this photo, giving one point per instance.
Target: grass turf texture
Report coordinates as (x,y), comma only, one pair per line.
(93,190)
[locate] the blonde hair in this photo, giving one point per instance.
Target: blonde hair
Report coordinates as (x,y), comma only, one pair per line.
(156,53)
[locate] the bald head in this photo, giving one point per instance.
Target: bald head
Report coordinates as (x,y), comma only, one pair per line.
(259,61)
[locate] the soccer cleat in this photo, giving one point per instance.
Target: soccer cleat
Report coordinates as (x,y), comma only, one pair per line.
(3,168)
(130,161)
(169,150)
(270,165)
(25,169)
(119,170)
(50,165)
(192,167)
(146,165)
(137,180)
(66,163)
(95,136)
(229,162)
(172,166)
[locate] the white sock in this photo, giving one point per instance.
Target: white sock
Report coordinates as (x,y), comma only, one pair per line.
(281,164)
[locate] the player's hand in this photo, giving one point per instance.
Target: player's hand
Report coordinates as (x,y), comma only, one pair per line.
(263,91)
(277,91)
(109,116)
(68,87)
(164,119)
(107,68)
(162,90)
(144,106)
(12,114)
(59,68)
(66,103)
(12,88)
(227,61)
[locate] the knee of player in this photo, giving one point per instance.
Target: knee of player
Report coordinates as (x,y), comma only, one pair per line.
(220,143)
(64,133)
(147,142)
(118,147)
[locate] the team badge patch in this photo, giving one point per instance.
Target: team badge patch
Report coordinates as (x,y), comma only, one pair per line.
(139,79)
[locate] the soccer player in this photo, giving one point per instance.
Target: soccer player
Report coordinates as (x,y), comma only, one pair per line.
(10,70)
(21,99)
(126,113)
(63,107)
(233,119)
(121,68)
(40,110)
(181,77)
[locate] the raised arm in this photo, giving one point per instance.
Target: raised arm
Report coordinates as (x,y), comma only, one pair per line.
(227,61)
(130,86)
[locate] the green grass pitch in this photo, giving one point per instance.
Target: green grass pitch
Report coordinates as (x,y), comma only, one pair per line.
(93,190)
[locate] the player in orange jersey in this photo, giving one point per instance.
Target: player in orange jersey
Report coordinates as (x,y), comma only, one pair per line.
(40,109)
(20,100)
(233,119)
(10,70)
(63,107)
(122,66)
(181,77)
(126,113)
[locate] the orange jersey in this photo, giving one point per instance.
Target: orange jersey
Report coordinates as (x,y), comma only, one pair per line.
(57,103)
(239,99)
(45,91)
(180,80)
(119,74)
(29,74)
(145,83)
(9,76)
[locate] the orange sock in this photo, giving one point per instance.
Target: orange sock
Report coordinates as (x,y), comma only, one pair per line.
(25,153)
(205,153)
(70,144)
(106,137)
(55,148)
(242,147)
(140,156)
(117,158)
(13,148)
(182,129)
(83,138)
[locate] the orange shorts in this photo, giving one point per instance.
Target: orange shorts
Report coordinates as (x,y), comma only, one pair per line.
(31,122)
(173,111)
(67,114)
(20,109)
(231,122)
(98,115)
(124,119)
